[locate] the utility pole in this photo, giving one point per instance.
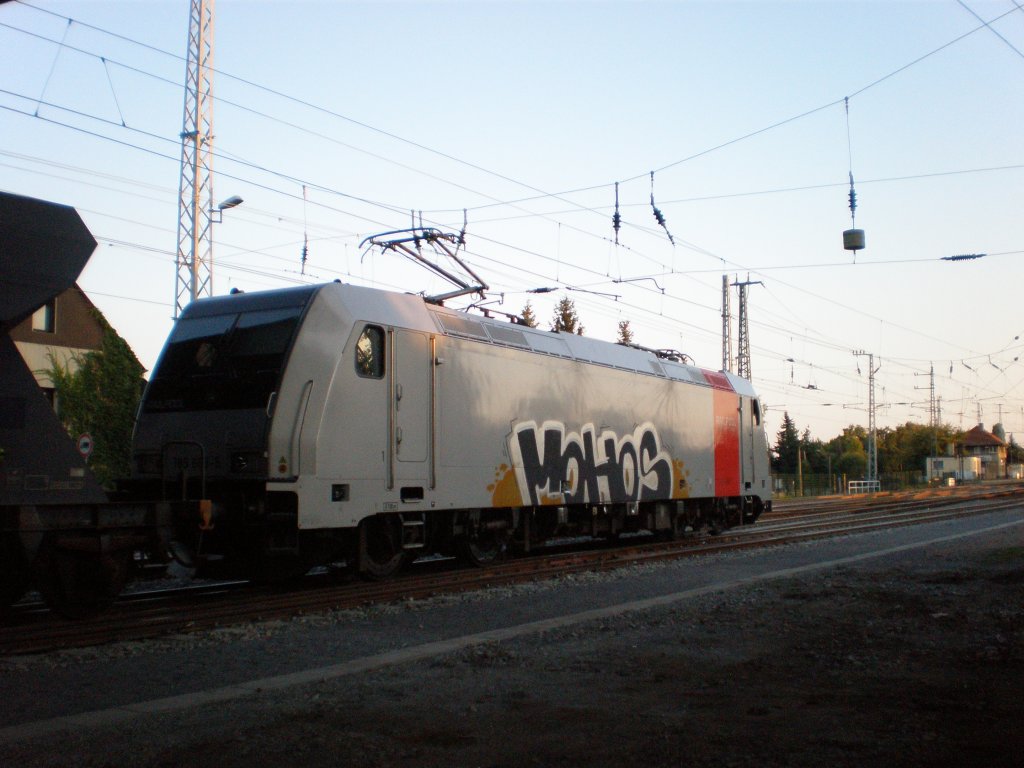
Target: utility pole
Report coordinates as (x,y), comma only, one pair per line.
(195,200)
(933,411)
(743,353)
(726,326)
(872,434)
(800,471)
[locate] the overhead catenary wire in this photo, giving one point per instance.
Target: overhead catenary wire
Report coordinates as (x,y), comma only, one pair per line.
(381,223)
(544,194)
(290,97)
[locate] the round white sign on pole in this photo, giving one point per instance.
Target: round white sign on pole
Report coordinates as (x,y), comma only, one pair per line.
(85,445)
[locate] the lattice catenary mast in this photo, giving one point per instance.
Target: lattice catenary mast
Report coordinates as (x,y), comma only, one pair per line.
(195,201)
(872,432)
(743,351)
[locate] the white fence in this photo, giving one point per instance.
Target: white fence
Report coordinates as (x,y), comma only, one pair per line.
(863,486)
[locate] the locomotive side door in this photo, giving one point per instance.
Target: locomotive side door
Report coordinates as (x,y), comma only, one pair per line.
(411,412)
(746,445)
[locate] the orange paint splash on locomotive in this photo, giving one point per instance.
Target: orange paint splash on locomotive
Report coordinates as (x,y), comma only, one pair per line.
(680,482)
(505,490)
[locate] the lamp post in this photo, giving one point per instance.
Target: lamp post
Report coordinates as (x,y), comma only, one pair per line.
(231,202)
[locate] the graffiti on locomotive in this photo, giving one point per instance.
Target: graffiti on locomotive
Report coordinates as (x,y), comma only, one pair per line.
(554,465)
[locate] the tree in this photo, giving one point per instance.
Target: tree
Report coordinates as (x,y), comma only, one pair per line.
(528,317)
(625,333)
(906,447)
(565,318)
(101,397)
(787,443)
(816,455)
(852,458)
(1014,452)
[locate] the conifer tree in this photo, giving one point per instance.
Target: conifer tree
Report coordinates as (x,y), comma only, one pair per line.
(625,333)
(566,319)
(787,443)
(528,316)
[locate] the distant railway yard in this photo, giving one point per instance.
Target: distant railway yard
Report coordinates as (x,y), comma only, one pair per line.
(875,630)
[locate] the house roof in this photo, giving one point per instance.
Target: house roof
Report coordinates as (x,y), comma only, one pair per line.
(979,437)
(79,325)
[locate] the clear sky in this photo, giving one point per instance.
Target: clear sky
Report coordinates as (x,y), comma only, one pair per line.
(526,114)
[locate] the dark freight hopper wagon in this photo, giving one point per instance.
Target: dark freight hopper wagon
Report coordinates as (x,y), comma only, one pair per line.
(58,529)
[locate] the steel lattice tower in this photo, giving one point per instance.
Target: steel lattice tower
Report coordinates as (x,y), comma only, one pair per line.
(872,434)
(195,200)
(743,351)
(934,416)
(743,345)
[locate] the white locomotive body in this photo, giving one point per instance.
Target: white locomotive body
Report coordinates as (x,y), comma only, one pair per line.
(339,422)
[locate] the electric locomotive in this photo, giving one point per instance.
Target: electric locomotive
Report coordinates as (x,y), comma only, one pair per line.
(333,423)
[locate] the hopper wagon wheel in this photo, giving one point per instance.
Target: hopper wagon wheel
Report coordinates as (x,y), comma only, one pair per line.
(381,555)
(79,583)
(14,572)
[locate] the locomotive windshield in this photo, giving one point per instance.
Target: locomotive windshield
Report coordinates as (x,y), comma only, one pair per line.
(222,362)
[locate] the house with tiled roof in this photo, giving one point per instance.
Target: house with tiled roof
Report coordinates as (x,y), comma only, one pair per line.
(989,448)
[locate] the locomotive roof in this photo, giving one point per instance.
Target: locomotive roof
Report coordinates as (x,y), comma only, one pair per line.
(407,310)
(250,302)
(582,348)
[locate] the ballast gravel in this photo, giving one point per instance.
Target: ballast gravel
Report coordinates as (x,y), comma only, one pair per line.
(908,659)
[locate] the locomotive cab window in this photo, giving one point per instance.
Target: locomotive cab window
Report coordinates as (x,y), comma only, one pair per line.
(370,353)
(223,362)
(756,410)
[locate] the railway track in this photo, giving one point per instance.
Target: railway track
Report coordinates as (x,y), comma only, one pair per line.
(892,499)
(145,615)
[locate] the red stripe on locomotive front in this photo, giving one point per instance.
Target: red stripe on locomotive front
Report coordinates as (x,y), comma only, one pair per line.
(727,435)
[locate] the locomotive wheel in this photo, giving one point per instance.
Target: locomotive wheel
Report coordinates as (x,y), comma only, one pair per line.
(79,584)
(14,573)
(485,549)
(380,547)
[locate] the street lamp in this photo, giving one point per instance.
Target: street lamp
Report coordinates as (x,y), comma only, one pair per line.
(231,202)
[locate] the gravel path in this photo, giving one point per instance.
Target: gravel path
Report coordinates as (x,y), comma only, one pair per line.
(909,657)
